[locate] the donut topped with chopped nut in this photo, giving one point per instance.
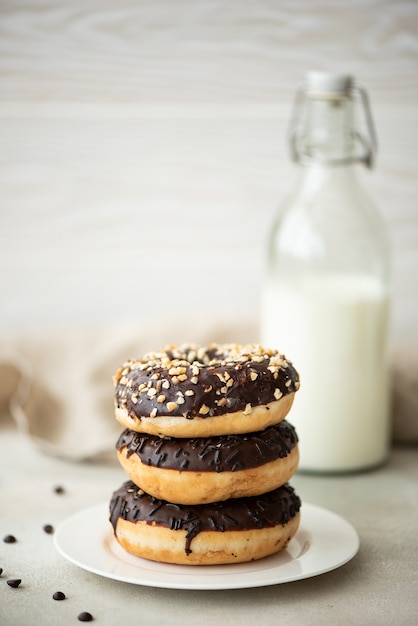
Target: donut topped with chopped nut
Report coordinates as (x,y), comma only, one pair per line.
(198,384)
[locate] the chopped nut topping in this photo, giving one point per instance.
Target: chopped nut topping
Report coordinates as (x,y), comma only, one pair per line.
(213,366)
(175,371)
(277,394)
(191,356)
(180,397)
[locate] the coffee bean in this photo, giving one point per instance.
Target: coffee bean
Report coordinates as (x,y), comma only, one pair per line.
(48,529)
(59,489)
(14,582)
(58,595)
(85,617)
(9,539)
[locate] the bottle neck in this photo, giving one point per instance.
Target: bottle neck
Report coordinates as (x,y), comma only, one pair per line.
(329,134)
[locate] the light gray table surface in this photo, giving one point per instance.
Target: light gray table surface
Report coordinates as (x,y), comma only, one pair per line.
(378,586)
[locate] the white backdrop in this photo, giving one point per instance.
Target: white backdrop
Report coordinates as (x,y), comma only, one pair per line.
(143,150)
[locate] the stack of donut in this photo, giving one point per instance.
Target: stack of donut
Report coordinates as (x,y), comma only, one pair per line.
(208,453)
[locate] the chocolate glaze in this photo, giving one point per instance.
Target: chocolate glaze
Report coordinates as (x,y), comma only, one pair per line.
(211,454)
(266,511)
(228,380)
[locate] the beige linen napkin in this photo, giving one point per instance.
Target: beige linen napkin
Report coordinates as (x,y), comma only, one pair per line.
(58,387)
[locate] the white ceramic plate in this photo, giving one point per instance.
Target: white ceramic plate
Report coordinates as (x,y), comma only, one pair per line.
(323,542)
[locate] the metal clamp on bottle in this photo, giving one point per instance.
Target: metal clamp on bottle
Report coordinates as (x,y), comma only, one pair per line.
(332,89)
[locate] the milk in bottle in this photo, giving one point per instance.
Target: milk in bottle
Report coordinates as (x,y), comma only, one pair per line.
(325,297)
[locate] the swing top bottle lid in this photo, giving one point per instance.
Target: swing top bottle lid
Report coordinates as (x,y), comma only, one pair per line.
(329,83)
(332,87)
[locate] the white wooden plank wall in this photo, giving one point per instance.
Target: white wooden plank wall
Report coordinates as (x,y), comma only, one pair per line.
(143,150)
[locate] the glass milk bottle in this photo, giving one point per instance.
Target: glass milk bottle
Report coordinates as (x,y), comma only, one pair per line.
(325,298)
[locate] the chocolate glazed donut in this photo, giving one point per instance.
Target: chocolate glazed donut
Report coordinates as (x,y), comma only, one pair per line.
(200,470)
(232,531)
(195,391)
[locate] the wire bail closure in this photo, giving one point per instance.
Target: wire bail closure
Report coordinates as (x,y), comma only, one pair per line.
(366,147)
